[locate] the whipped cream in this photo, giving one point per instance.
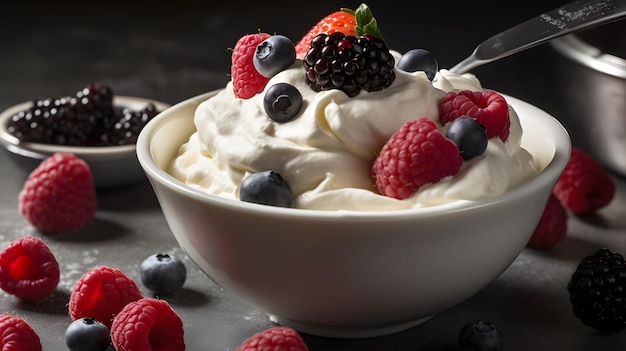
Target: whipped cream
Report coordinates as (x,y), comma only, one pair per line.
(327,151)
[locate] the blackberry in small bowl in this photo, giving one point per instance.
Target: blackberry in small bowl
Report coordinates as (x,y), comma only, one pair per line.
(82,124)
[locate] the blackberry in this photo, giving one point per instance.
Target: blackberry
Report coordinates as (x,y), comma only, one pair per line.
(128,126)
(598,291)
(89,118)
(96,102)
(52,121)
(67,120)
(348,63)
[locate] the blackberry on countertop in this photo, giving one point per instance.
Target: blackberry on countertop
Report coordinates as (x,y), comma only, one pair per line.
(598,291)
(349,63)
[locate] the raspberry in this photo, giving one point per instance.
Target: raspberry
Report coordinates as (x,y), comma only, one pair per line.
(247,81)
(146,325)
(552,226)
(59,195)
(416,154)
(274,339)
(101,293)
(28,269)
(597,290)
(584,186)
(17,335)
(488,107)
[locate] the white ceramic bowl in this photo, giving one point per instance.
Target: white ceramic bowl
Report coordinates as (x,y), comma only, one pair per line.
(110,165)
(351,274)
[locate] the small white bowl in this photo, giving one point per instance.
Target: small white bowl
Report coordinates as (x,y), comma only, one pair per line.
(351,274)
(110,165)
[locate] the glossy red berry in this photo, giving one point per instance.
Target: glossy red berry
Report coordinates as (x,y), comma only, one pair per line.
(274,339)
(148,325)
(17,335)
(101,293)
(28,269)
(247,81)
(489,108)
(415,155)
(584,186)
(59,195)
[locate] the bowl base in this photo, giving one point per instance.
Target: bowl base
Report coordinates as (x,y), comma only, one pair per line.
(348,332)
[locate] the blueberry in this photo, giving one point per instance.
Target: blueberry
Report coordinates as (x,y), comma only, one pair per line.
(480,336)
(282,102)
(87,334)
(267,188)
(419,60)
(162,274)
(273,55)
(469,136)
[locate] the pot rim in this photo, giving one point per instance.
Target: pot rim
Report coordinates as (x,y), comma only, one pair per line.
(572,47)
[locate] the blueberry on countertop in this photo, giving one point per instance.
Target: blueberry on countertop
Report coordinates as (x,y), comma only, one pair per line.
(162,274)
(480,336)
(87,334)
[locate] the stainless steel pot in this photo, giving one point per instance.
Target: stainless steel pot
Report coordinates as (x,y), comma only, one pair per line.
(592,77)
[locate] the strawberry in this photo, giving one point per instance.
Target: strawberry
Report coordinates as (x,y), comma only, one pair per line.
(489,108)
(247,81)
(584,186)
(552,226)
(346,21)
(415,155)
(339,21)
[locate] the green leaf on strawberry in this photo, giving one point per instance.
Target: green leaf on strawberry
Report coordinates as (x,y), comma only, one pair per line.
(365,21)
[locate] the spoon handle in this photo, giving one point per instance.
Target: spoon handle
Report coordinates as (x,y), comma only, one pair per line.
(566,19)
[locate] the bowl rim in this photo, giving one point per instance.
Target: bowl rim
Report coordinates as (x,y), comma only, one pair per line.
(90,153)
(157,174)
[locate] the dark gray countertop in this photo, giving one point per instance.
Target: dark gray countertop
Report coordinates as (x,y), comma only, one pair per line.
(174,51)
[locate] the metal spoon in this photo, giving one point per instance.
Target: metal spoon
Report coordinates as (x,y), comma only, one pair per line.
(566,19)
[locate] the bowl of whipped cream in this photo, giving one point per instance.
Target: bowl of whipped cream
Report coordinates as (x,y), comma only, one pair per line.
(345,261)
